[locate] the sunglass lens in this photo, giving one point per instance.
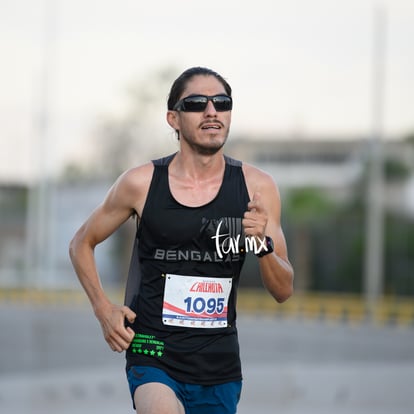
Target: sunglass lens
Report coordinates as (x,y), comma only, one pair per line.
(222,103)
(195,103)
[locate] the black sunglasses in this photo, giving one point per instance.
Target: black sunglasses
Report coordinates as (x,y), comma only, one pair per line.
(198,103)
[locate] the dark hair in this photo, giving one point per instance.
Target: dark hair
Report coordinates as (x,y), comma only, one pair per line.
(180,83)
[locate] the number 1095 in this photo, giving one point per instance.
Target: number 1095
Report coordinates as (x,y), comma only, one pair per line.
(200,305)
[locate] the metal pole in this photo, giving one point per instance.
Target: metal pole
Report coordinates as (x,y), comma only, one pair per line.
(374,258)
(38,238)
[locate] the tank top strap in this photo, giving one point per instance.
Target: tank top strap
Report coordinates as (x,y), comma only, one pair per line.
(163,162)
(232,161)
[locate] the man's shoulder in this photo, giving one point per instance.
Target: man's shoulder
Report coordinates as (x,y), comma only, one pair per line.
(256,177)
(137,177)
(140,170)
(132,186)
(255,172)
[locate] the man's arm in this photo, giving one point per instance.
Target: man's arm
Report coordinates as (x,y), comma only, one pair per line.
(261,219)
(125,198)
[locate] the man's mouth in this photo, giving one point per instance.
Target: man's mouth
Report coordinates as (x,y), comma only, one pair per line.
(211,126)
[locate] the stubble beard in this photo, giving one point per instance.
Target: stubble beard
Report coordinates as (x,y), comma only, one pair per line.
(201,149)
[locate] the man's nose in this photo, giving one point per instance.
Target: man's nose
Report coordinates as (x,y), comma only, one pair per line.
(210,109)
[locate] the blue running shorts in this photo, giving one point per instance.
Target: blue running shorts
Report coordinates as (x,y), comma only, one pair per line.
(196,399)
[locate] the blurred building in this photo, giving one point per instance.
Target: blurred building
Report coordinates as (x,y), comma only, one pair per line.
(332,164)
(71,205)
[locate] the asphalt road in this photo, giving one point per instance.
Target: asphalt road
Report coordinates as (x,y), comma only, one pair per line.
(54,360)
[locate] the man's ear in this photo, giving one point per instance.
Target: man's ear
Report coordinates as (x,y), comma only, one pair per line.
(172,119)
(173,122)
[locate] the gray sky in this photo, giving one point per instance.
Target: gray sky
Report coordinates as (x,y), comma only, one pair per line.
(295,66)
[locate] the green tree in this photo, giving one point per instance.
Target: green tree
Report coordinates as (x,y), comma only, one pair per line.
(305,209)
(129,137)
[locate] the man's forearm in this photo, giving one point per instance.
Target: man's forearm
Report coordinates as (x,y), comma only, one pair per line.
(83,260)
(277,276)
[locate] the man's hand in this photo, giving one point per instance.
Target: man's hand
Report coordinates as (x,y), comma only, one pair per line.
(112,319)
(255,218)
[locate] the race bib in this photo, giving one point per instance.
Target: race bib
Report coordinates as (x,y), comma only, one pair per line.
(196,302)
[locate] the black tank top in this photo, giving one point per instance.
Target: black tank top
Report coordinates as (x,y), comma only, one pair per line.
(200,242)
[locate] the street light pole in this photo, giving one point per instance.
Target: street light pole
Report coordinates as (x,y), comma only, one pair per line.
(39,244)
(374,256)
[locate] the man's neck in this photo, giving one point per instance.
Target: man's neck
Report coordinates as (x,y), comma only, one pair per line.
(197,166)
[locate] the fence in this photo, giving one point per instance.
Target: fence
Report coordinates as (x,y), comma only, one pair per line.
(330,307)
